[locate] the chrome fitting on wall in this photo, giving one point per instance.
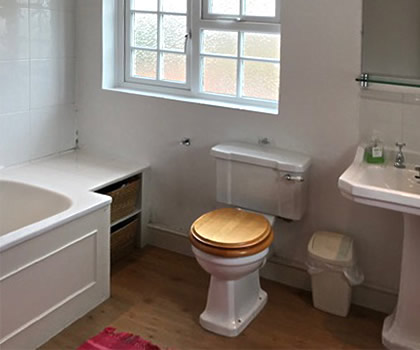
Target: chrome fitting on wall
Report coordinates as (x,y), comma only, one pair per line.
(264,141)
(294,178)
(186,141)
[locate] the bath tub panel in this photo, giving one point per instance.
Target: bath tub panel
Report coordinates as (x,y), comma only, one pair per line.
(68,274)
(40,246)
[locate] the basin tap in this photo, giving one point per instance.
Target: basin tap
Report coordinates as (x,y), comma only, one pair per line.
(400,159)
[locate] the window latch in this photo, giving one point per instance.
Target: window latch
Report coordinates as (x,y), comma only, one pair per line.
(187,37)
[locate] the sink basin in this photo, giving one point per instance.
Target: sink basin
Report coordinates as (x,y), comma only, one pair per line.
(381,186)
(387,187)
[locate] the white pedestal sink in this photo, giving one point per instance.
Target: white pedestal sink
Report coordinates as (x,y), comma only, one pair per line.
(387,187)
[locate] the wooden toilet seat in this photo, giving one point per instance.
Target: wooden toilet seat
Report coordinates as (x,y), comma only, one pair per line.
(231,233)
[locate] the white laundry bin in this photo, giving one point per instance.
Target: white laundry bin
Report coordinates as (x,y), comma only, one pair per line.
(333,269)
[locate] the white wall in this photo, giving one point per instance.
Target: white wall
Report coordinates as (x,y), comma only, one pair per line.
(391,37)
(319,115)
(394,115)
(37,68)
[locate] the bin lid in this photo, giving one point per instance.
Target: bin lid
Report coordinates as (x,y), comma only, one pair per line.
(331,248)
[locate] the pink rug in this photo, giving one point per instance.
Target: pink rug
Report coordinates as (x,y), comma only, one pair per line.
(108,339)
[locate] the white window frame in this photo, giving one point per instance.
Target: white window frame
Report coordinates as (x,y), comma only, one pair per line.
(196,22)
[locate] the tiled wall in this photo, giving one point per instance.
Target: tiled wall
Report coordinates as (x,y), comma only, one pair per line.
(37,73)
(395,115)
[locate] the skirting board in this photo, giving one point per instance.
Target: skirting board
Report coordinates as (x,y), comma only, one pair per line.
(279,270)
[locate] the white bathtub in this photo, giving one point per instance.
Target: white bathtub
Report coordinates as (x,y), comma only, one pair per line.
(22,205)
(54,260)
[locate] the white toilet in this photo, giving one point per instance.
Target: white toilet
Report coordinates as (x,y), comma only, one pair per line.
(232,244)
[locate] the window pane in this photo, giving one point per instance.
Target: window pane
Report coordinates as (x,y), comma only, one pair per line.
(174,67)
(144,5)
(174,30)
(261,45)
(219,75)
(261,80)
(177,6)
(144,64)
(145,30)
(265,8)
(224,7)
(222,43)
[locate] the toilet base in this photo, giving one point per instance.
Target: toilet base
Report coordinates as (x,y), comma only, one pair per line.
(232,305)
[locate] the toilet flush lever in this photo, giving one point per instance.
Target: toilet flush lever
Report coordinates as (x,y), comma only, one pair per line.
(294,178)
(417,168)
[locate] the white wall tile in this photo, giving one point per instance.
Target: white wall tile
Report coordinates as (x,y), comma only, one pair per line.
(37,69)
(50,128)
(14,86)
(412,99)
(395,115)
(381,116)
(14,3)
(52,82)
(52,33)
(14,31)
(63,5)
(15,144)
(411,127)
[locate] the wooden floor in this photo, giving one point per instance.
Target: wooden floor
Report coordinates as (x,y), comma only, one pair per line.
(159,295)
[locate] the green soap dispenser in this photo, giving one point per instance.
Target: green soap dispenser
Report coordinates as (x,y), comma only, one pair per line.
(374,153)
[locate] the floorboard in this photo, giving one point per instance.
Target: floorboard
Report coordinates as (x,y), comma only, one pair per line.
(159,295)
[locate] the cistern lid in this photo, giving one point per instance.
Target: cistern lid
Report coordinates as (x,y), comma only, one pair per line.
(231,228)
(265,156)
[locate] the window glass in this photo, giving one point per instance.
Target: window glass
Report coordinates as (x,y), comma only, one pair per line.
(145,30)
(218,42)
(224,7)
(219,76)
(173,67)
(175,6)
(261,45)
(145,5)
(144,64)
(261,80)
(174,29)
(260,8)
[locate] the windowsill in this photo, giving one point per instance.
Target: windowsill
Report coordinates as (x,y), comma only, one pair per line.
(188,99)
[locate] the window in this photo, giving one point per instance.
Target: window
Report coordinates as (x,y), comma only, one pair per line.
(215,50)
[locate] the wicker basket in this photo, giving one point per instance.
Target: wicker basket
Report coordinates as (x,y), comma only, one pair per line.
(124,199)
(123,241)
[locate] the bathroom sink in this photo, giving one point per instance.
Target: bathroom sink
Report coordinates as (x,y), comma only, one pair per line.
(395,189)
(382,185)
